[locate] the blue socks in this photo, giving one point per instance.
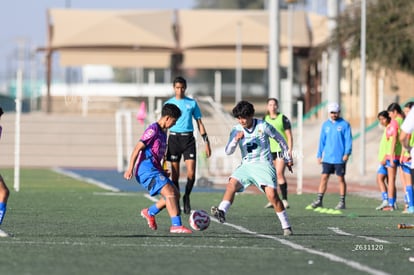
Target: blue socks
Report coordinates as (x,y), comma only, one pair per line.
(153,210)
(176,221)
(2,211)
(384,196)
(409,195)
(391,202)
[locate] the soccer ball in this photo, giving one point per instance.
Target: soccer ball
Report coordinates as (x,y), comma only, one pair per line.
(199,220)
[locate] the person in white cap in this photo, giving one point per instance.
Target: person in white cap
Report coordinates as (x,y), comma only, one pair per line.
(335,147)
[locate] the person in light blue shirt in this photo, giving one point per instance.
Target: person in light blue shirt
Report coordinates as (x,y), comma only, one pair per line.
(335,147)
(181,141)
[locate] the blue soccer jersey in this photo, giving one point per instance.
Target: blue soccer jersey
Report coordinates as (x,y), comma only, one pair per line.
(335,141)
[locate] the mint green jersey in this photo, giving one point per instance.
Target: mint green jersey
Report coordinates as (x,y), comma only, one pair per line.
(255,145)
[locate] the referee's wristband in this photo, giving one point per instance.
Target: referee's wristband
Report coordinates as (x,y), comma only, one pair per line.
(205,138)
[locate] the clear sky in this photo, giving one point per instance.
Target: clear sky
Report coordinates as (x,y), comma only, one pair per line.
(26,19)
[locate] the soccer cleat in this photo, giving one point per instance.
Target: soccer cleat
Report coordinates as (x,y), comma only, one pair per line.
(316,204)
(3,234)
(388,208)
(218,214)
(187,207)
(285,204)
(382,205)
(268,205)
(409,210)
(150,219)
(180,229)
(340,205)
(287,231)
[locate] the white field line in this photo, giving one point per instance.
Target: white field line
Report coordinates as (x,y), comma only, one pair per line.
(88,180)
(340,232)
(329,256)
(121,194)
(67,243)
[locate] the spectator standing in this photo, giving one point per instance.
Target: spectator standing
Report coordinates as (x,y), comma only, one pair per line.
(382,174)
(282,124)
(393,153)
(335,147)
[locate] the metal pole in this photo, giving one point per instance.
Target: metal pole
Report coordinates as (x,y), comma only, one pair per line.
(299,154)
(217,86)
(334,55)
(274,49)
(289,91)
(238,96)
(19,94)
(119,143)
(362,87)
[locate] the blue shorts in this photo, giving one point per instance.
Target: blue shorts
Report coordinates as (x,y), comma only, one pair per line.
(388,165)
(151,178)
(406,167)
(338,168)
(257,173)
(382,170)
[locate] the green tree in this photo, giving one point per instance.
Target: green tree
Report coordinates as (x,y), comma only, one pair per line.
(389,34)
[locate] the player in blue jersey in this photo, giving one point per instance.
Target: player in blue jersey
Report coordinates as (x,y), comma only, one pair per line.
(181,141)
(146,159)
(252,135)
(4,194)
(335,147)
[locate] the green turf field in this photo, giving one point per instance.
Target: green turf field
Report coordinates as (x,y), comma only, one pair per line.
(64,226)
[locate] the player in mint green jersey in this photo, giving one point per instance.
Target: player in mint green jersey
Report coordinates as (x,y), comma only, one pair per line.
(252,135)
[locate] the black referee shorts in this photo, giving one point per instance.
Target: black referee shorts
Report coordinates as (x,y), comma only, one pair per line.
(181,144)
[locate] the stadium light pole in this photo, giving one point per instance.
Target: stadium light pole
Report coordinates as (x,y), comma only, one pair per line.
(333,92)
(68,70)
(239,42)
(19,94)
(274,49)
(362,87)
(289,90)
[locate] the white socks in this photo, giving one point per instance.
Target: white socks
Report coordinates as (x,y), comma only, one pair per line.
(283,218)
(224,205)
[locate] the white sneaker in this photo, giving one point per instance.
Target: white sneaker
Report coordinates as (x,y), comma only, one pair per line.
(287,231)
(382,205)
(268,205)
(3,234)
(285,204)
